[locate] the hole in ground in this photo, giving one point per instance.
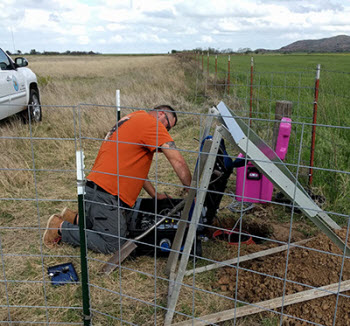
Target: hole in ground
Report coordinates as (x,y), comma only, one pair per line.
(259,229)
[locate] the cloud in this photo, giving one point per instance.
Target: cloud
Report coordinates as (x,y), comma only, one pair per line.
(162,25)
(116,39)
(190,31)
(221,9)
(110,15)
(98,29)
(78,30)
(165,14)
(207,39)
(115,27)
(83,39)
(117,4)
(54,18)
(152,38)
(315,6)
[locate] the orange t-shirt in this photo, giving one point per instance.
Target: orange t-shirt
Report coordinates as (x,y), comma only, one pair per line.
(124,159)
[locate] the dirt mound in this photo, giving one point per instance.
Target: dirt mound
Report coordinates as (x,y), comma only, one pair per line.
(317,265)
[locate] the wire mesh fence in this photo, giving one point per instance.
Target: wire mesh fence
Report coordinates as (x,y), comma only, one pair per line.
(253,259)
(256,87)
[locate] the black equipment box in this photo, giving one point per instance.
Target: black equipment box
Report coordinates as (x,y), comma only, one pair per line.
(143,216)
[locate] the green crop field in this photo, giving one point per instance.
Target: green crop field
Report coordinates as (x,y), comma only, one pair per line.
(292,78)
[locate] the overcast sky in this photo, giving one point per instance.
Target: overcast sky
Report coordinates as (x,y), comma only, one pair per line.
(158,26)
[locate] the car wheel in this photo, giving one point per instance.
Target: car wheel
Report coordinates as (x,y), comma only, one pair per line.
(34,108)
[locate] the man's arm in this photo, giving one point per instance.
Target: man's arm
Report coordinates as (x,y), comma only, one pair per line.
(152,191)
(178,162)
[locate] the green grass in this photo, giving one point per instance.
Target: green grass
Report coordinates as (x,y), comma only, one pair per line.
(292,78)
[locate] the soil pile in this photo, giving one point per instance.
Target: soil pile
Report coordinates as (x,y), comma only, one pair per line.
(317,265)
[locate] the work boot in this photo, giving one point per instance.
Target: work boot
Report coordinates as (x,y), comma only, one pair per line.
(51,236)
(69,215)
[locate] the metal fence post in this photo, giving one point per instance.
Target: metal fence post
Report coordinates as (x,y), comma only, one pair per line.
(117,95)
(83,248)
(228,75)
(251,89)
(314,121)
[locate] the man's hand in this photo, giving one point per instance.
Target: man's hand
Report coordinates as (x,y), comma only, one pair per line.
(178,163)
(152,192)
(162,196)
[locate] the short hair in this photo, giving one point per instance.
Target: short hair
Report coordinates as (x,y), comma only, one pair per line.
(167,108)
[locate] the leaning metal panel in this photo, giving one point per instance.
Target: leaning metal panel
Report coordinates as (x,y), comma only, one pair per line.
(276,171)
(239,129)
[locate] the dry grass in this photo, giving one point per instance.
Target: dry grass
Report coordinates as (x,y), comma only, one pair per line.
(143,81)
(38,172)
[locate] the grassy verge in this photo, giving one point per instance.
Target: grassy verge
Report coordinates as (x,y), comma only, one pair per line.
(37,178)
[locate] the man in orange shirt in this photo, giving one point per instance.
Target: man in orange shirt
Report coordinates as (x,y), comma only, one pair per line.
(117,177)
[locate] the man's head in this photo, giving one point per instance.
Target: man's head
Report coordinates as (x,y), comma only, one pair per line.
(166,115)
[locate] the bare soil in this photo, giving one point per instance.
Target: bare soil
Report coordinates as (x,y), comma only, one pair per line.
(317,264)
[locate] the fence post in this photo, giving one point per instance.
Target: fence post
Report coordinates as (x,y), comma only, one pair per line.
(228,75)
(251,89)
(83,249)
(202,62)
(314,120)
(117,95)
(216,71)
(208,65)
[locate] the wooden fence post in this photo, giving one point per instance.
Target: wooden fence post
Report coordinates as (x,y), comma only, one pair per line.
(208,65)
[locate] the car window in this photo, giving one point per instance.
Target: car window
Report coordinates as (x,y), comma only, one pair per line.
(5,63)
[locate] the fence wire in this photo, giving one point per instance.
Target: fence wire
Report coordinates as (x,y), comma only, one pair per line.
(254,260)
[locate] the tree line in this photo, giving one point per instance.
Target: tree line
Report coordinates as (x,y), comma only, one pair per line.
(223,51)
(35,52)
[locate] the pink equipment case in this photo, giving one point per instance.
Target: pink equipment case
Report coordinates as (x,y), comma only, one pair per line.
(257,188)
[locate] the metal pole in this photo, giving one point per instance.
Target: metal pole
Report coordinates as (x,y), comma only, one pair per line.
(117,95)
(314,120)
(216,67)
(208,65)
(251,89)
(83,248)
(228,76)
(191,233)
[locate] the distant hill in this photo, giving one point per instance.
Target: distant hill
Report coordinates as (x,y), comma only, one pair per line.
(340,43)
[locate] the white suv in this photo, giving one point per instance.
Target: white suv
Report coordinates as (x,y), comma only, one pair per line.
(18,89)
